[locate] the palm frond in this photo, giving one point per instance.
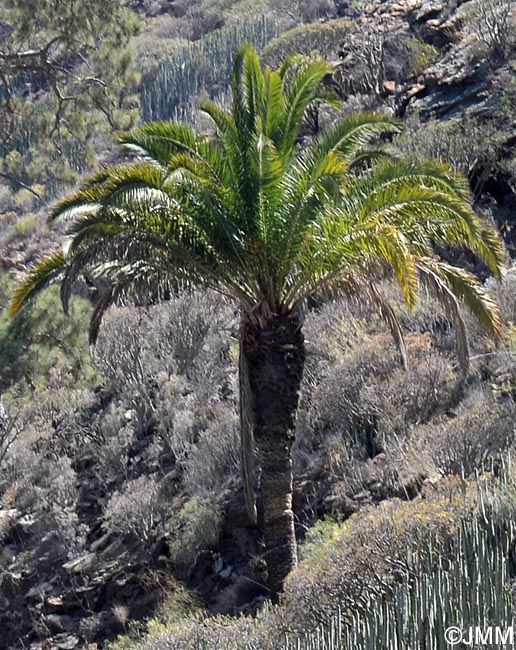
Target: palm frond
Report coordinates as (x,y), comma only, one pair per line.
(155,142)
(468,290)
(428,202)
(388,315)
(351,135)
(108,297)
(115,181)
(444,294)
(273,106)
(301,92)
(253,216)
(246,86)
(47,271)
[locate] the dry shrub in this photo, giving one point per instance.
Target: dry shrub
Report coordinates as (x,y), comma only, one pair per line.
(359,406)
(46,493)
(111,443)
(50,483)
(58,537)
(480,432)
(188,336)
(505,292)
(216,454)
(177,409)
(306,11)
(133,510)
(126,350)
(366,401)
(471,145)
(203,438)
(172,372)
(11,424)
(370,56)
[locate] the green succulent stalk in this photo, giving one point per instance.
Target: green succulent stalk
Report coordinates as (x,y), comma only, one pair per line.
(466,590)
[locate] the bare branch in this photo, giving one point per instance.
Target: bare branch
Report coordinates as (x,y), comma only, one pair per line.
(10,428)
(20,183)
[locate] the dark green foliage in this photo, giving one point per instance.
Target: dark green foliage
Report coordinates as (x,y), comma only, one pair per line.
(43,347)
(64,80)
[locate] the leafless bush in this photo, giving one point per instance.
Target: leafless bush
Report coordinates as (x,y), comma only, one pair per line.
(481,430)
(17,466)
(369,49)
(176,412)
(112,445)
(215,456)
(372,55)
(11,424)
(6,520)
(184,327)
(59,537)
(141,352)
(306,11)
(359,406)
(120,357)
(493,22)
(174,378)
(48,484)
(133,511)
(47,496)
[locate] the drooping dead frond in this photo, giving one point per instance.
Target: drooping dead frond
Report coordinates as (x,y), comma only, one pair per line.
(246,435)
(437,287)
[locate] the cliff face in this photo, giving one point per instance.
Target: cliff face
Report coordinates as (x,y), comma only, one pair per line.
(449,70)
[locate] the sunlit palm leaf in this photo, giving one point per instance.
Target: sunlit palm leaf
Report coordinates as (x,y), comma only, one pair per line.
(47,271)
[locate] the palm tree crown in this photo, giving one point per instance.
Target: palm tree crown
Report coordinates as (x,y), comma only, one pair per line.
(251,214)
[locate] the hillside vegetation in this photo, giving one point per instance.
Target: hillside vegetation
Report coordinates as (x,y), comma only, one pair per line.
(123,520)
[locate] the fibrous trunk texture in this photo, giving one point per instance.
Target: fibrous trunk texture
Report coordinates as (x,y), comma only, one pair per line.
(274,355)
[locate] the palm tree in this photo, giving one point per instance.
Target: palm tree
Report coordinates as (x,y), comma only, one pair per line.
(254,216)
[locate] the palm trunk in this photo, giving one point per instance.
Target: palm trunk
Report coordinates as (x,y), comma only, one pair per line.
(274,355)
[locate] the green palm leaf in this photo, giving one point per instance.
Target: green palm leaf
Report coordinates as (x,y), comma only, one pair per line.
(157,141)
(50,269)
